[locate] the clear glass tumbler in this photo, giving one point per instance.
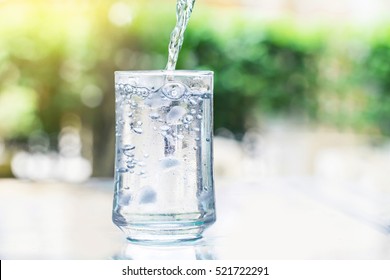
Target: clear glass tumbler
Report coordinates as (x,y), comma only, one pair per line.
(164,188)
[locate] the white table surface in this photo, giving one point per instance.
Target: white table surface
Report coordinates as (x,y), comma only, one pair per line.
(273,218)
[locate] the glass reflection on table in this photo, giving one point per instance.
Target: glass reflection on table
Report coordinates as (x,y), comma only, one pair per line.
(190,250)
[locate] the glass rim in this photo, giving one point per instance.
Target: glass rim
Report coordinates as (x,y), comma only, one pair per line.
(165,72)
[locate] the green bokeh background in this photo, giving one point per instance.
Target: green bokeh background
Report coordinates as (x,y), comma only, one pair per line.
(51,53)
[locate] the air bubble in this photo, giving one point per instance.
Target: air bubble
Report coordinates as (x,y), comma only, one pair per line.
(173,90)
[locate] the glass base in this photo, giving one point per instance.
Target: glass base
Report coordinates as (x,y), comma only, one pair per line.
(164,232)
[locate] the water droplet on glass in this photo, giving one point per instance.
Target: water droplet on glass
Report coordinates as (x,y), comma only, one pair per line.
(139,123)
(188,119)
(196,129)
(197,139)
(133,104)
(164,128)
(146,155)
(208,139)
(137,130)
(128,147)
(193,101)
(175,114)
(128,153)
(141,163)
(195,148)
(128,89)
(144,92)
(193,111)
(142,172)
(122,170)
(128,150)
(179,136)
(199,117)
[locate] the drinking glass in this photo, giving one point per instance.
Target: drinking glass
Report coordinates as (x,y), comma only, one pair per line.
(164,189)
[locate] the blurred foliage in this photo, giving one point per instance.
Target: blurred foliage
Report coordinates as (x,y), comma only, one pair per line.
(375,72)
(257,71)
(57,61)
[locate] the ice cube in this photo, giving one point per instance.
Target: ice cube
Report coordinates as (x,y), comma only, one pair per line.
(124,199)
(175,114)
(147,195)
(169,162)
(156,101)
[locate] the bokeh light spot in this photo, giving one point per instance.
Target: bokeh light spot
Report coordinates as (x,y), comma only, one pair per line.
(120,14)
